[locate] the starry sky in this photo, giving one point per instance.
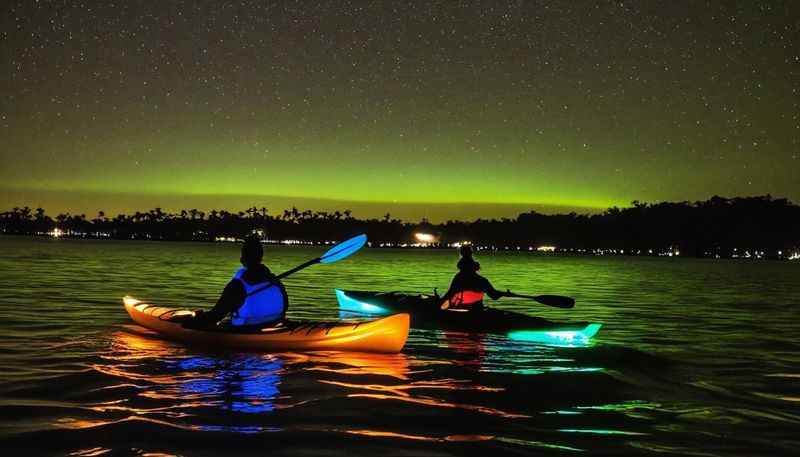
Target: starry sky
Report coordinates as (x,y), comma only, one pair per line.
(433,109)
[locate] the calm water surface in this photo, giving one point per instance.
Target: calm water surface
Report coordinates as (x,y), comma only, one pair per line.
(696,357)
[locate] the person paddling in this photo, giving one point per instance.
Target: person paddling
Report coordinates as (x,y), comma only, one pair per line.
(468,287)
(245,297)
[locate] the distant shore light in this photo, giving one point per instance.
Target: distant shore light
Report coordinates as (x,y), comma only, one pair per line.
(546,248)
(425,237)
(458,244)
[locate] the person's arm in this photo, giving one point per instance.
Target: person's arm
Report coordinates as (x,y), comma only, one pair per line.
(454,287)
(231,299)
(285,295)
(489,290)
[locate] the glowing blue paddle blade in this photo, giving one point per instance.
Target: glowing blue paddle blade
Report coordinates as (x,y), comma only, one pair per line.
(343,249)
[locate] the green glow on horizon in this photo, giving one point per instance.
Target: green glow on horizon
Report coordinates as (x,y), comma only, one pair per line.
(405,177)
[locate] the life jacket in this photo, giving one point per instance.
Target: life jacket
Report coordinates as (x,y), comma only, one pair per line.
(463,300)
(264,306)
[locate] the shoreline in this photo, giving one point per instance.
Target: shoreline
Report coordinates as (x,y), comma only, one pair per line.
(739,227)
(530,250)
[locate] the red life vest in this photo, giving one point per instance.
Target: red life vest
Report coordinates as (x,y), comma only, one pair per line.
(463,301)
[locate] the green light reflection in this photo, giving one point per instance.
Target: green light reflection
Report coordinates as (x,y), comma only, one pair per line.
(599,431)
(537,444)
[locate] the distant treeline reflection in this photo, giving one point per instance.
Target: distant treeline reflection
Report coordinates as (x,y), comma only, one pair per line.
(719,227)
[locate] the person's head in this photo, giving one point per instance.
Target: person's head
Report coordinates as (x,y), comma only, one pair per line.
(252,252)
(466,263)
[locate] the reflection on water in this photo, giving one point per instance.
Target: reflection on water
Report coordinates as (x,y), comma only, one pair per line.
(244,383)
(694,358)
(188,384)
(354,364)
(405,436)
(493,353)
(249,385)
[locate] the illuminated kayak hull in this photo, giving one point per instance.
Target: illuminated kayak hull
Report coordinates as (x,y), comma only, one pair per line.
(384,335)
(425,313)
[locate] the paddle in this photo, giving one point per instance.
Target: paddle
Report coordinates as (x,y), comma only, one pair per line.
(334,254)
(557,301)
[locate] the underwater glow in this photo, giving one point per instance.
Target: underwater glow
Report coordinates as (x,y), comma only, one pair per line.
(354,306)
(557,337)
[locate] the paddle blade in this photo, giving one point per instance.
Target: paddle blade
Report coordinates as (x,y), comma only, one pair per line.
(343,249)
(557,301)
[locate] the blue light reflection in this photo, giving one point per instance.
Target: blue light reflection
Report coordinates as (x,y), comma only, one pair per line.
(248,384)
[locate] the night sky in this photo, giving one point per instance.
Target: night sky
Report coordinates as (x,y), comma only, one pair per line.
(526,104)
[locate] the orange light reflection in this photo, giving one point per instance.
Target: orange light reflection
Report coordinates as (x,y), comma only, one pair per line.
(444,404)
(451,438)
(445,384)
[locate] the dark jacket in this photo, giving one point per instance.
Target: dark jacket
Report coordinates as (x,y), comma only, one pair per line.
(470,280)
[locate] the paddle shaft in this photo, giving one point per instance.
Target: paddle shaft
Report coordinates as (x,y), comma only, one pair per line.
(285,274)
(334,254)
(557,301)
(298,268)
(512,294)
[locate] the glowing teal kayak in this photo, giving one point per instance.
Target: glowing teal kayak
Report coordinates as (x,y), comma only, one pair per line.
(426,313)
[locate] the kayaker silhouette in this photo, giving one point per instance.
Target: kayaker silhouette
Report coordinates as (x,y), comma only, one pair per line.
(468,287)
(245,298)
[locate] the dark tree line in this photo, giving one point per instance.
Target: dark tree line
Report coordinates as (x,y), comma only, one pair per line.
(716,227)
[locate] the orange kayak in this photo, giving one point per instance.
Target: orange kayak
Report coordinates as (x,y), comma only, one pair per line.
(386,335)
